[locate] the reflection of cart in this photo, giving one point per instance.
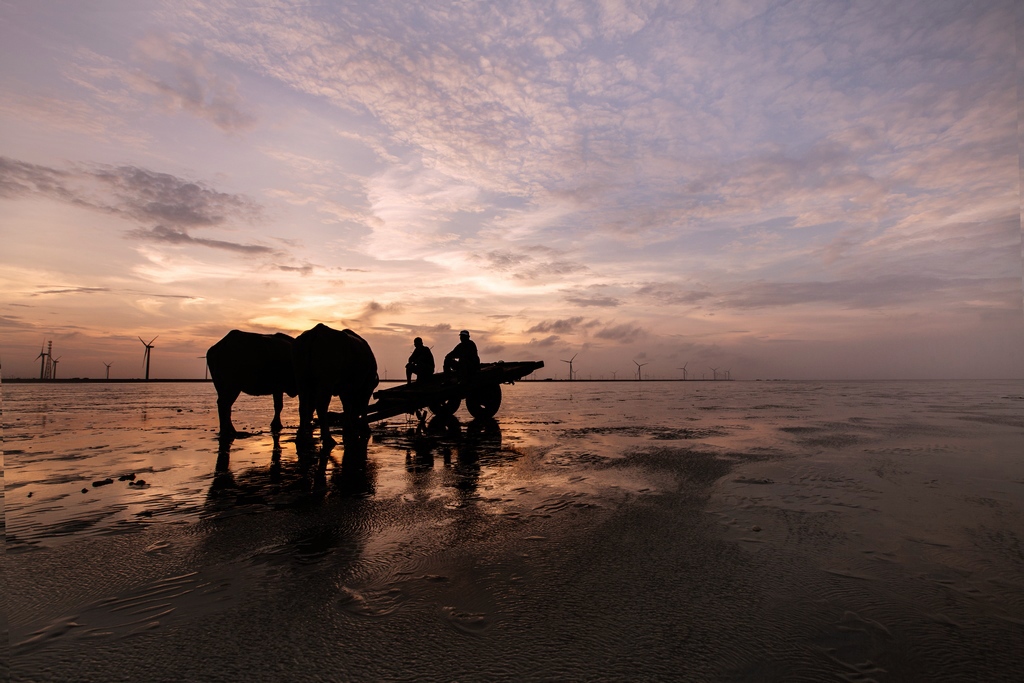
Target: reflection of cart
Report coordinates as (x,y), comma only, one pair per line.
(443,393)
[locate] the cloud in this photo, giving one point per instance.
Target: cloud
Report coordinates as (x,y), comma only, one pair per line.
(185,297)
(623,333)
(854,293)
(673,294)
(550,340)
(19,179)
(171,205)
(870,294)
(184,78)
(599,301)
(303,270)
(530,263)
(551,270)
(372,309)
(70,290)
(563,326)
(167,235)
(161,197)
(504,260)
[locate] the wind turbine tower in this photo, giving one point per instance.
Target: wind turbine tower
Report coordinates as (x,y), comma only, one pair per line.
(42,358)
(570,365)
(684,369)
(48,362)
(108,369)
(147,354)
(54,362)
(714,373)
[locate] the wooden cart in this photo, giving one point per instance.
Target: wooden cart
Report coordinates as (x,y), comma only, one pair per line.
(443,393)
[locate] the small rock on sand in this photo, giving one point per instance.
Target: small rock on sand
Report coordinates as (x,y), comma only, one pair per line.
(103,482)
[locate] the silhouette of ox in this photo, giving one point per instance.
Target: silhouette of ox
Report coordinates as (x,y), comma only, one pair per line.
(257,364)
(332,363)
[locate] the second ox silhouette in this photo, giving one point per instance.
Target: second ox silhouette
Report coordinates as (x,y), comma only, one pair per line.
(257,364)
(328,363)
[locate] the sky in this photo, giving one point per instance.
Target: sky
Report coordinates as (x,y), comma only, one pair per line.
(800,190)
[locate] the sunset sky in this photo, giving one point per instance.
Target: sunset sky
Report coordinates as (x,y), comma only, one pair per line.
(782,189)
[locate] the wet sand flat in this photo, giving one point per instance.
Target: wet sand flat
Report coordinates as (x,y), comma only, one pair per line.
(699,531)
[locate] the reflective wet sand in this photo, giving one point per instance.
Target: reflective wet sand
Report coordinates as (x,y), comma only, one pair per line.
(695,531)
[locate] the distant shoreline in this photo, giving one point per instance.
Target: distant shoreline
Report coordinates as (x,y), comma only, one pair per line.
(89,380)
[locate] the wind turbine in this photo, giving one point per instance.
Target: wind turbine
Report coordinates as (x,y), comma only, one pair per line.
(55,361)
(638,366)
(714,372)
(684,369)
(570,364)
(727,376)
(206,369)
(108,369)
(42,362)
(146,354)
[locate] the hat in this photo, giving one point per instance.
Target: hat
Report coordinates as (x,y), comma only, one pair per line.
(464,333)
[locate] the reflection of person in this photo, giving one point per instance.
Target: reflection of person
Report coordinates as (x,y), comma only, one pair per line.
(463,360)
(421,362)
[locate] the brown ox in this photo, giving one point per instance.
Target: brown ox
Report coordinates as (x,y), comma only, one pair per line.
(257,364)
(330,363)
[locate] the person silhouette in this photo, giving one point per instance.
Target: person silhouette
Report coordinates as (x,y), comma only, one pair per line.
(421,362)
(463,360)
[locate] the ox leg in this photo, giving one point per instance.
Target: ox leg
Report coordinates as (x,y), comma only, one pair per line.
(226,399)
(322,404)
(275,425)
(305,416)
(355,415)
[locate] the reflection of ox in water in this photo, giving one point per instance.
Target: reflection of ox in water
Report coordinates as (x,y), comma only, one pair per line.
(287,482)
(257,364)
(262,509)
(332,363)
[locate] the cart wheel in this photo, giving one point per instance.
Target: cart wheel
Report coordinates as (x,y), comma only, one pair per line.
(484,402)
(446,406)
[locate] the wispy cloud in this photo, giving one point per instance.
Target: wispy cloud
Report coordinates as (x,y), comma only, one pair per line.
(162,233)
(184,78)
(624,333)
(867,293)
(563,326)
(171,205)
(599,301)
(70,290)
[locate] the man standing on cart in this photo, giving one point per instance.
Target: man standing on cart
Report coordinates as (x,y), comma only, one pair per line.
(463,360)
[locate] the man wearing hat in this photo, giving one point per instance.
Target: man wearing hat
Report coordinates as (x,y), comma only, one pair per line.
(463,360)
